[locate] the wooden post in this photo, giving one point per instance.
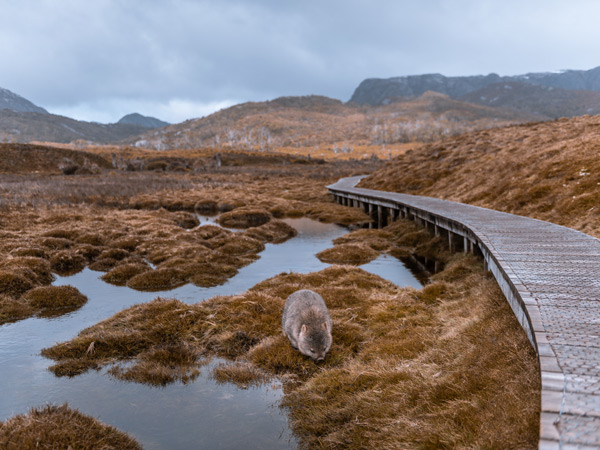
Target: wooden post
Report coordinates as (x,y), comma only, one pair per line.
(450,243)
(436,230)
(379,216)
(371,214)
(465,244)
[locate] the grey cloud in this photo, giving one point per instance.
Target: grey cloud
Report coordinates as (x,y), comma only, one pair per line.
(66,52)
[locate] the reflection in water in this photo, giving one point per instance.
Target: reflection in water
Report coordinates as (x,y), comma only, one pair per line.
(201,414)
(392,269)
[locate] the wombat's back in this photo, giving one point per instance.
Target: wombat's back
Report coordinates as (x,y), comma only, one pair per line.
(304,304)
(307,323)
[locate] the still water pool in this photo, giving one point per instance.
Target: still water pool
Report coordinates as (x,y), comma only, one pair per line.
(199,415)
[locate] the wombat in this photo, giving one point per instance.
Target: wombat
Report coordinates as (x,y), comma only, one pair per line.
(307,324)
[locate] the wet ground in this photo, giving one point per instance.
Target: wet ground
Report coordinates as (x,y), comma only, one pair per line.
(201,414)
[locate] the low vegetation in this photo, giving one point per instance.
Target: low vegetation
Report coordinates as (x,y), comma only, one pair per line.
(142,227)
(408,368)
(60,427)
(548,170)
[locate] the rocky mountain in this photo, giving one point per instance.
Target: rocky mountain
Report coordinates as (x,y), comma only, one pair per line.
(581,80)
(377,91)
(315,120)
(35,126)
(545,101)
(142,121)
(14,102)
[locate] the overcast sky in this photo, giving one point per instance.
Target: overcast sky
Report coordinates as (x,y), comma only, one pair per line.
(179,59)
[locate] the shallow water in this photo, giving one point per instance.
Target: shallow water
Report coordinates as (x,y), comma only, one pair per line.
(201,414)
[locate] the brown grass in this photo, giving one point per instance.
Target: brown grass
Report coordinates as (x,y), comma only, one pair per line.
(402,239)
(41,300)
(121,274)
(244,218)
(54,297)
(120,243)
(60,427)
(348,254)
(118,220)
(407,369)
(549,171)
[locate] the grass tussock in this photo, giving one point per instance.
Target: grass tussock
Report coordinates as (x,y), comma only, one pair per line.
(244,218)
(242,374)
(402,239)
(41,300)
(407,368)
(121,274)
(54,297)
(60,427)
(348,254)
(121,245)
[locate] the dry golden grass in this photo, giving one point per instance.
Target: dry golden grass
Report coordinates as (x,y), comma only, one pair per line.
(65,240)
(117,221)
(58,428)
(245,217)
(54,297)
(348,254)
(121,274)
(407,368)
(549,171)
(41,300)
(445,354)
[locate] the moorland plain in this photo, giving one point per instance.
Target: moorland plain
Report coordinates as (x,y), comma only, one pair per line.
(410,368)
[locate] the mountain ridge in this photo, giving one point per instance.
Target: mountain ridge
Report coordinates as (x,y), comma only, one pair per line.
(379,91)
(10,100)
(34,126)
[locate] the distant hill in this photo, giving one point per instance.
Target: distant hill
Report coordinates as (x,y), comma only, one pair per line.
(35,126)
(316,120)
(545,101)
(14,102)
(142,121)
(377,91)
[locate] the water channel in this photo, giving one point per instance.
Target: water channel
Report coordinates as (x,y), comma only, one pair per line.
(201,414)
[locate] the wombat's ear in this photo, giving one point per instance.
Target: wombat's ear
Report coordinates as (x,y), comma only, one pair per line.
(326,326)
(303,329)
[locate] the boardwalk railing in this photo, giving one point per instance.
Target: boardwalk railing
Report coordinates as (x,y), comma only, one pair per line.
(550,276)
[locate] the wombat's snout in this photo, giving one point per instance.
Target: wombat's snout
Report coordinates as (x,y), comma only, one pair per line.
(320,359)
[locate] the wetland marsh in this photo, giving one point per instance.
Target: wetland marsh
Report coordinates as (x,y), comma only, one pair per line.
(194,354)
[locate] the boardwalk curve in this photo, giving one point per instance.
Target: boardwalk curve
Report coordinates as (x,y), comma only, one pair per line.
(548,273)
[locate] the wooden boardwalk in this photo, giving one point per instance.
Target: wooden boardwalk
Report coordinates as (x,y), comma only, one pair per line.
(549,274)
